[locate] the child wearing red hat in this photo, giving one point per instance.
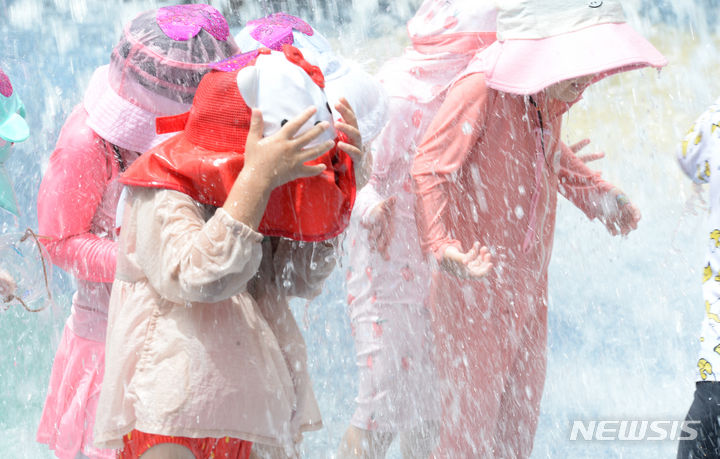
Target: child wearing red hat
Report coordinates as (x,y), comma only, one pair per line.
(223,224)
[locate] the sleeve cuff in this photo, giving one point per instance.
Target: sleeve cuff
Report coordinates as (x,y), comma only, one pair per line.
(238,228)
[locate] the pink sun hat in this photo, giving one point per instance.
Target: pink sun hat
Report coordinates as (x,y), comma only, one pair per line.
(154,71)
(543,42)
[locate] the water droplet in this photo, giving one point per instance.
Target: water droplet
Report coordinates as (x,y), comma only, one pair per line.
(287,283)
(519,212)
(467,128)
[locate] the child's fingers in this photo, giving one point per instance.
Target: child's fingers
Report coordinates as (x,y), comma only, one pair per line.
(383,245)
(309,171)
(591,157)
(480,270)
(350,130)
(387,208)
(257,125)
(374,232)
(354,152)
(390,230)
(473,253)
(293,126)
(579,145)
(487,257)
(346,111)
(308,154)
(311,134)
(613,228)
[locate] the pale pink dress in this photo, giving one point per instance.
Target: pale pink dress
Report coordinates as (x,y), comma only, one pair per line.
(77,201)
(391,328)
(201,341)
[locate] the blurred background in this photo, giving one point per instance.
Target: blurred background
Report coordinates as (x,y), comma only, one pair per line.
(625,313)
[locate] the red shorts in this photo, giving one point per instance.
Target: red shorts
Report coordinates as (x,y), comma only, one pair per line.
(136,443)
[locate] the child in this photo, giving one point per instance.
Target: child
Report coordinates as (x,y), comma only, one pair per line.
(388,278)
(203,351)
(697,157)
(154,71)
(488,170)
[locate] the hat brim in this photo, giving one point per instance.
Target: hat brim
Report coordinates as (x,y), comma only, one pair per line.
(529,66)
(309,209)
(117,120)
(154,170)
(14,129)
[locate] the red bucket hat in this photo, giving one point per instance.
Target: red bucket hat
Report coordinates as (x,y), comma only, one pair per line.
(206,157)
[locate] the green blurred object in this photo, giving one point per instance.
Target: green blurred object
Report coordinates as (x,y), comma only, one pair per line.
(13,128)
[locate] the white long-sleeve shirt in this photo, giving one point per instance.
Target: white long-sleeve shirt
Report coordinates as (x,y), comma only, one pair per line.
(699,157)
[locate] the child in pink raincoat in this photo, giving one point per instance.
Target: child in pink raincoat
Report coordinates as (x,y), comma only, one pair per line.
(388,279)
(154,71)
(488,171)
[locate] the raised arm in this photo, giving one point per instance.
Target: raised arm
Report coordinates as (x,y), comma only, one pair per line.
(188,259)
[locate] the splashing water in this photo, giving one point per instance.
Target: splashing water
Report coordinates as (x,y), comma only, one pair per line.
(624,314)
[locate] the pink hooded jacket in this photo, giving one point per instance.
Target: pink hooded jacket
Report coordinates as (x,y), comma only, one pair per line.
(484,173)
(445,37)
(77,202)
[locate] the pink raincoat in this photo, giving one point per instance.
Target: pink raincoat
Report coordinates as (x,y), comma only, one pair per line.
(386,297)
(487,172)
(77,202)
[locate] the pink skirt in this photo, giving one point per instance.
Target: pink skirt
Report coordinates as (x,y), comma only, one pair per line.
(69,414)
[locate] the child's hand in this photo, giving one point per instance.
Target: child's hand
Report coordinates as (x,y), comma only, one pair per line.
(273,161)
(7,285)
(473,264)
(281,157)
(348,125)
(381,228)
(620,215)
(576,147)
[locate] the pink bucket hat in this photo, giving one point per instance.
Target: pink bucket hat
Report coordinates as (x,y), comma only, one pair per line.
(542,42)
(154,71)
(453,26)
